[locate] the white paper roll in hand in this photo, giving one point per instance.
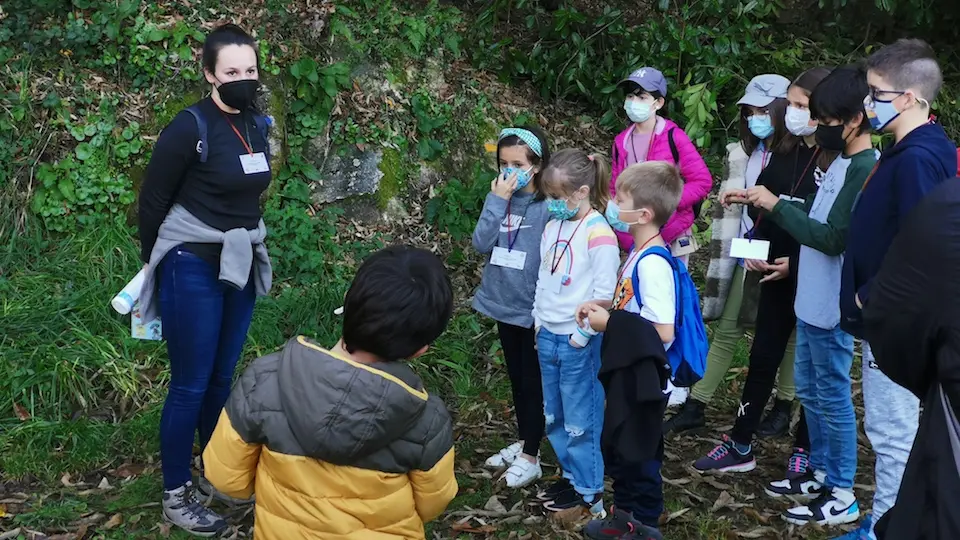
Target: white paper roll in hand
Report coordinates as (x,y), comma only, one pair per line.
(124,300)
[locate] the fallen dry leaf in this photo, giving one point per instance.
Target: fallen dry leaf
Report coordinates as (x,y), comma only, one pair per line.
(673,515)
(494,505)
(115,521)
(65,480)
(21,412)
(104,484)
(128,470)
(756,515)
(724,500)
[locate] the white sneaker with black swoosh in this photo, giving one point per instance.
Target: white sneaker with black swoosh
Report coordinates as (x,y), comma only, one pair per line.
(833,507)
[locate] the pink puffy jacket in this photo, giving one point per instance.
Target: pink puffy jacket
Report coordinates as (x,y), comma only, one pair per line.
(697,180)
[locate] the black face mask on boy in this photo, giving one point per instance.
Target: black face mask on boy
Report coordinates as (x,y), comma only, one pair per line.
(831,138)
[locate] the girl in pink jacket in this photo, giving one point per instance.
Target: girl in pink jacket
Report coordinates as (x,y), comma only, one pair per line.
(653,138)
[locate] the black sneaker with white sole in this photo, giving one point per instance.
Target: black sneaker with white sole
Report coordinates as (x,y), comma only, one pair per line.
(182,508)
(571,499)
(801,487)
(833,507)
(554,490)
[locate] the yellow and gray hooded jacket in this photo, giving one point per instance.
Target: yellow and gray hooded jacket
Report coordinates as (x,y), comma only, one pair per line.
(334,449)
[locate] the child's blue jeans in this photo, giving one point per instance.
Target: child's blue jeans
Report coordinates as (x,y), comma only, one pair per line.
(822,369)
(573,407)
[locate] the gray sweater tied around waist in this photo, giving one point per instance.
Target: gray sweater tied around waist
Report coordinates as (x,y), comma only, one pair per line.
(242,250)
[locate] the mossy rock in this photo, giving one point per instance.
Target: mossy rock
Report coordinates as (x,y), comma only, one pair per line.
(171,106)
(395,173)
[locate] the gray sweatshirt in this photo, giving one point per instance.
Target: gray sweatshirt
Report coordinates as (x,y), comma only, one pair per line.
(506,294)
(243,250)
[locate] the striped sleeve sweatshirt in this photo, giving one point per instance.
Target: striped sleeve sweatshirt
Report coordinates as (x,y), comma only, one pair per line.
(578,262)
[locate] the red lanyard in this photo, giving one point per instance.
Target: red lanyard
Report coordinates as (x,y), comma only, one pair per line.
(237,131)
(556,261)
(633,255)
(873,171)
(804,173)
(649,145)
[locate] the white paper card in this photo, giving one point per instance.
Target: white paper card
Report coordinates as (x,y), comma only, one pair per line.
(140,329)
(789,198)
(743,248)
(508,258)
(254,163)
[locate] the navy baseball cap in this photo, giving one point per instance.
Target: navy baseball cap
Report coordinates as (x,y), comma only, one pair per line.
(650,79)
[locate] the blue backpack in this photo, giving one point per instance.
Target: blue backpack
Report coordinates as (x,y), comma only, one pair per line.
(688,354)
(262,122)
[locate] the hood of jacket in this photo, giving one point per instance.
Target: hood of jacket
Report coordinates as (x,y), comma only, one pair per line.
(341,411)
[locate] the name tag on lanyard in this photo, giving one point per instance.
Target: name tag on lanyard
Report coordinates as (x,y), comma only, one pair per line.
(254,163)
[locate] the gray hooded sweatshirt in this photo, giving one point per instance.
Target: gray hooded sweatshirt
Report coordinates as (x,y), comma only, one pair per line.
(506,294)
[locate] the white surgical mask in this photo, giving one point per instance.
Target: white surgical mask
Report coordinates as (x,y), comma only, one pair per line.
(798,122)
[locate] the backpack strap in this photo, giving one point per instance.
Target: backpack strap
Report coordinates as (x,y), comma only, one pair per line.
(201,130)
(635,278)
(263,124)
(673,147)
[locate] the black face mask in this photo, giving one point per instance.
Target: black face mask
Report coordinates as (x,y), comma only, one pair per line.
(831,138)
(240,94)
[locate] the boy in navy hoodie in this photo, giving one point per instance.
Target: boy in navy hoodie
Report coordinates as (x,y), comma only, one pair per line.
(904,78)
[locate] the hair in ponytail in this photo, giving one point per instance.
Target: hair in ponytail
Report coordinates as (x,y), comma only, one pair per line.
(600,192)
(572,168)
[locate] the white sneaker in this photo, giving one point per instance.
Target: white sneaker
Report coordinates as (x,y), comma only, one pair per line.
(522,473)
(181,508)
(832,507)
(504,457)
(678,396)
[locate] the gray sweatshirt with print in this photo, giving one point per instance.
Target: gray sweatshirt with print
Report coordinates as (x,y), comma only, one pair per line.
(506,294)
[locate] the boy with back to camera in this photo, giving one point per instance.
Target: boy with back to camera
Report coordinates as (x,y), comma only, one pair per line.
(635,369)
(345,443)
(904,78)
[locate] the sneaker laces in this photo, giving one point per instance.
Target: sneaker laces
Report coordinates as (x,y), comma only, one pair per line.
(721,450)
(798,462)
(192,507)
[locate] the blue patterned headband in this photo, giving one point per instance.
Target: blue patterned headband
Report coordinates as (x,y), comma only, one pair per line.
(526,136)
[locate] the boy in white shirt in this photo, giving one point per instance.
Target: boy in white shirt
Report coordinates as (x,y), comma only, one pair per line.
(647,195)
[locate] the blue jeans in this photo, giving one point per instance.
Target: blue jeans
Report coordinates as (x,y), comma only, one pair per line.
(573,407)
(205,324)
(823,362)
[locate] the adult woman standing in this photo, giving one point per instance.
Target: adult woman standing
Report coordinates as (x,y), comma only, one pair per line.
(202,241)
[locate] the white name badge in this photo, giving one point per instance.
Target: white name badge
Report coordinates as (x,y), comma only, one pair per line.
(788,198)
(508,258)
(744,248)
(254,163)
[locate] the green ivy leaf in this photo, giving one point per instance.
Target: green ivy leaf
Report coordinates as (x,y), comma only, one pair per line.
(66,188)
(84,151)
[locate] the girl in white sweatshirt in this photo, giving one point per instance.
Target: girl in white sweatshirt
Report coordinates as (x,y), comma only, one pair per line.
(579,258)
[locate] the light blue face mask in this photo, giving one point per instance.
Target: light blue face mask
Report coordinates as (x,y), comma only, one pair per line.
(638,111)
(761,126)
(559,209)
(613,217)
(523,176)
(880,113)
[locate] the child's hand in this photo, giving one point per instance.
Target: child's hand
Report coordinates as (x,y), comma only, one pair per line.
(583,311)
(755,265)
(734,196)
(761,197)
(503,186)
(778,270)
(598,318)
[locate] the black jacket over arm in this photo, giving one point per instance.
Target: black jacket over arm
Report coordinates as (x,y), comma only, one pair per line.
(634,372)
(912,322)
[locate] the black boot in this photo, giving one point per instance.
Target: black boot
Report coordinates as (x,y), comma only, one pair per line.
(777,422)
(690,416)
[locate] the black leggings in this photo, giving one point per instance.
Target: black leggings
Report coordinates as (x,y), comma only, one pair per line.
(523,366)
(775,323)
